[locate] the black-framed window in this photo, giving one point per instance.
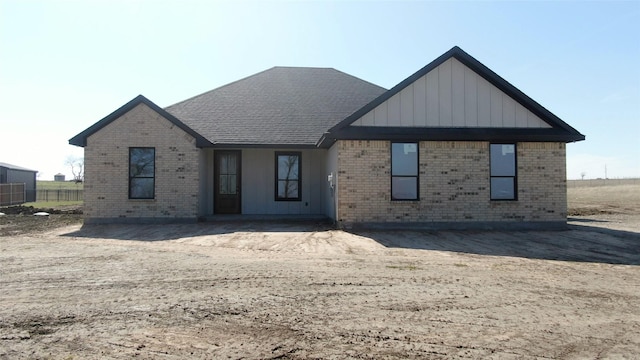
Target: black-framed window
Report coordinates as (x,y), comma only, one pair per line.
(404,171)
(142,172)
(288,176)
(503,172)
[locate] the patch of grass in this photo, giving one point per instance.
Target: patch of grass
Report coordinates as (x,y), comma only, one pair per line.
(58,185)
(460,265)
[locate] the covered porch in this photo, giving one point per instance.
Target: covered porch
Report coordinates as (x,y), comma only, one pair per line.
(262,183)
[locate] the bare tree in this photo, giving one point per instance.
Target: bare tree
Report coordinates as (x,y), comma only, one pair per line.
(292,176)
(77,167)
(288,176)
(583,174)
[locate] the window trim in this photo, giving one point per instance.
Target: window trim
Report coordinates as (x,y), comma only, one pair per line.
(416,176)
(277,180)
(514,177)
(153,195)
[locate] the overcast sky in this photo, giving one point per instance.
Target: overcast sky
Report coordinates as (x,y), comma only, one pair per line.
(66,64)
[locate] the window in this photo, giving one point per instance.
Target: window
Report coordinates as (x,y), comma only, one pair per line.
(288,176)
(142,171)
(404,171)
(503,172)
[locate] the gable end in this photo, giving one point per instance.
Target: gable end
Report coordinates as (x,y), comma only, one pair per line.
(81,138)
(541,117)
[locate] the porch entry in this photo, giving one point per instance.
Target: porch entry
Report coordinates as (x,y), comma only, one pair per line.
(227,182)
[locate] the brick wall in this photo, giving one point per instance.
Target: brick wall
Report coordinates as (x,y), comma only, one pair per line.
(453,184)
(107,166)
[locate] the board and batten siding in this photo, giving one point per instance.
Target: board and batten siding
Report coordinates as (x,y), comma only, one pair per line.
(451,95)
(258,183)
(206,189)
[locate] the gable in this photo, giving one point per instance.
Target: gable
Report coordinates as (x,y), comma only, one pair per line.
(141,126)
(451,95)
(81,138)
(453,98)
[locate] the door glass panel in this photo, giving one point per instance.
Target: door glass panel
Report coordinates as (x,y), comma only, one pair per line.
(227,176)
(232,184)
(223,184)
(223,164)
(227,182)
(232,164)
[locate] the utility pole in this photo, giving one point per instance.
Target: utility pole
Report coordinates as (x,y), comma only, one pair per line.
(605,171)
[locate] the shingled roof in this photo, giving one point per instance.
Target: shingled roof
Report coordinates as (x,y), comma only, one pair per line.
(282,106)
(310,107)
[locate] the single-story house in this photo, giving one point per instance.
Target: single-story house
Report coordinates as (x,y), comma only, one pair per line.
(453,145)
(24,184)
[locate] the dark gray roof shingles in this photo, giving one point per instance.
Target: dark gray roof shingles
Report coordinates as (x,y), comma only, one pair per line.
(279,106)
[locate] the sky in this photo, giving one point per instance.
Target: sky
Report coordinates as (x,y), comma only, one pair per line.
(64,65)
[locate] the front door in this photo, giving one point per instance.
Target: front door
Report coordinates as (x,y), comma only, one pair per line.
(227,182)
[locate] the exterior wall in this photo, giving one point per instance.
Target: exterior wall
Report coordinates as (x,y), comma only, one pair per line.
(23,176)
(206,182)
(451,95)
(331,195)
(258,183)
(453,184)
(107,170)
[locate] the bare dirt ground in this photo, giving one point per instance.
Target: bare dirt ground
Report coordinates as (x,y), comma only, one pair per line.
(615,206)
(19,220)
(305,291)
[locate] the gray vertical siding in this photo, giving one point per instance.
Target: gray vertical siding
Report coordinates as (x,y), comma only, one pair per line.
(205,196)
(451,95)
(23,176)
(258,183)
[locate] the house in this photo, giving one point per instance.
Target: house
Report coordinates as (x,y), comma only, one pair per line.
(17,184)
(453,145)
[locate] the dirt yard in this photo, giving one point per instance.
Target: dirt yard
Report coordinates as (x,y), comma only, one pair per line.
(306,291)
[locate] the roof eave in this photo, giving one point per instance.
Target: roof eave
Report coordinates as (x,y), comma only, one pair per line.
(223,145)
(452,134)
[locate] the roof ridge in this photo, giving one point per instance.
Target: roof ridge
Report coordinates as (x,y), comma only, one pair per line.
(302,67)
(254,75)
(220,87)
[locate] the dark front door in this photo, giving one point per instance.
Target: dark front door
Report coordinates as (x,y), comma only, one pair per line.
(227,182)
